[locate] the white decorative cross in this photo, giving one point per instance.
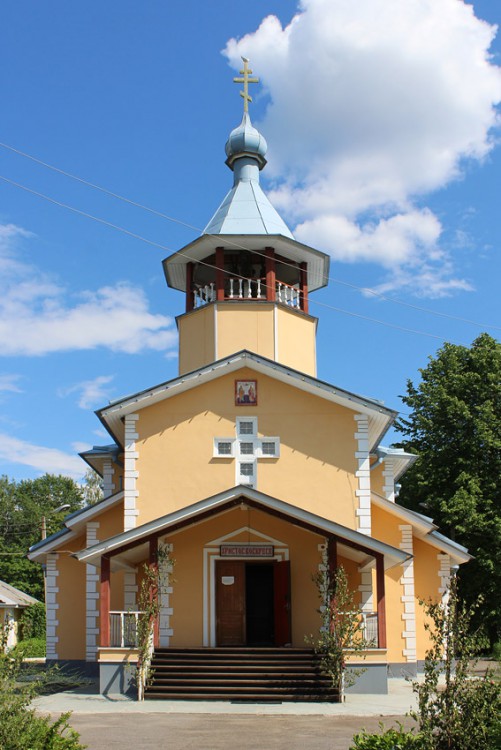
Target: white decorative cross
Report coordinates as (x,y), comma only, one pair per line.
(246,448)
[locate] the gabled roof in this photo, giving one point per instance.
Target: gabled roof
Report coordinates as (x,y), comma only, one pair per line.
(424,529)
(222,502)
(399,458)
(74,524)
(95,456)
(12,597)
(380,416)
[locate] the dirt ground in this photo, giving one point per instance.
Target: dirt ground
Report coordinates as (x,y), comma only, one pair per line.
(223,731)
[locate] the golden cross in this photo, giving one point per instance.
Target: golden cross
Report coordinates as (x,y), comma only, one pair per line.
(246,72)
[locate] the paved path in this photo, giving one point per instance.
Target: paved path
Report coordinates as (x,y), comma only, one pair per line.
(106,723)
(222,731)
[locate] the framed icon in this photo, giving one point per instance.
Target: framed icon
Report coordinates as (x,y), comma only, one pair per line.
(245,392)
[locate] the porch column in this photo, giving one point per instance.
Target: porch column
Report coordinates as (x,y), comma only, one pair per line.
(154,592)
(189,287)
(104,603)
(331,572)
(219,274)
(270,274)
(381,606)
(303,283)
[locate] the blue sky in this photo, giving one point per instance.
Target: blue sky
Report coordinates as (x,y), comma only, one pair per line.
(381,123)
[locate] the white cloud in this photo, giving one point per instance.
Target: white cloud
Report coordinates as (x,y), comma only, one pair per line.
(9,383)
(47,319)
(372,104)
(92,392)
(80,447)
(39,457)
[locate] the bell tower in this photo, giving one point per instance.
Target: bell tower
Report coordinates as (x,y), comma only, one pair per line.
(246,279)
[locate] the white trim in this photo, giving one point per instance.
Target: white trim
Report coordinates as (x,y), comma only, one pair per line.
(363,474)
(389,480)
(51,607)
(92,594)
(445,574)
(408,598)
(215,449)
(108,474)
(130,473)
(165,629)
(275,333)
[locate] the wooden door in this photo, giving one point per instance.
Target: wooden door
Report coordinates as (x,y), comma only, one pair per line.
(282,585)
(230,603)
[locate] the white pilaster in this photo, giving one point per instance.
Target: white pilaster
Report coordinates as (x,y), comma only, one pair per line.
(130,472)
(444,574)
(408,595)
(51,605)
(92,597)
(108,474)
(389,480)
(363,474)
(165,630)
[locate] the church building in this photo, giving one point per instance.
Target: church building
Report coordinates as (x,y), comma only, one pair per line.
(251,471)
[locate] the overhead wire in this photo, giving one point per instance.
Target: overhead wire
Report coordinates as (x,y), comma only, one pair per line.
(118,196)
(204,263)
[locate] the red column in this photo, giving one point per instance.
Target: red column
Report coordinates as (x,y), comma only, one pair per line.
(104,603)
(270,274)
(303,287)
(189,287)
(153,564)
(219,274)
(381,605)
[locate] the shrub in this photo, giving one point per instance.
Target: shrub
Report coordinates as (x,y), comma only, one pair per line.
(20,727)
(496,651)
(389,739)
(32,647)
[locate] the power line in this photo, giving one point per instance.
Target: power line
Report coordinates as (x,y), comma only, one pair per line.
(204,263)
(118,196)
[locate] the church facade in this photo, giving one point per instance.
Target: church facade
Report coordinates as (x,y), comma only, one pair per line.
(254,473)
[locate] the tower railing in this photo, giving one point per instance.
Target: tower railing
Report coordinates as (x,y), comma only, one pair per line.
(241,288)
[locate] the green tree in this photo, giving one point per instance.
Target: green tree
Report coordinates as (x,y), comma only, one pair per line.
(92,488)
(455,428)
(23,505)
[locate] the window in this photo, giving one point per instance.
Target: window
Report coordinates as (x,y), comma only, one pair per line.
(224,449)
(246,428)
(247,449)
(268,448)
(246,469)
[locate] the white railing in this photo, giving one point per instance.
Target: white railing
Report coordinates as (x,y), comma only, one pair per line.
(244,288)
(369,620)
(288,295)
(204,294)
(123,628)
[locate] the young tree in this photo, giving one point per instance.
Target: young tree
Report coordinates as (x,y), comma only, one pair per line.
(92,488)
(455,428)
(23,505)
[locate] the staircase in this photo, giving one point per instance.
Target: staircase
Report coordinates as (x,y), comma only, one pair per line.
(239,674)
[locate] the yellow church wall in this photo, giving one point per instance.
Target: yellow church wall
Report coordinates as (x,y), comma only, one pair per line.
(385,528)
(188,586)
(223,328)
(111,521)
(245,325)
(196,339)
(71,611)
(296,340)
(377,480)
(426,587)
(315,470)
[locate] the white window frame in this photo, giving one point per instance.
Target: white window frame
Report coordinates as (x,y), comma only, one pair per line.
(217,454)
(243,436)
(275,441)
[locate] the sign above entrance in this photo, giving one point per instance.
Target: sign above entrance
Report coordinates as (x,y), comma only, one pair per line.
(247,550)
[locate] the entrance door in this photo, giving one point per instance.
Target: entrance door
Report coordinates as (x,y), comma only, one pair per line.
(230,602)
(252,603)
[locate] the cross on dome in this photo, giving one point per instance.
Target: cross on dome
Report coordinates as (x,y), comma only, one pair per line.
(246,72)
